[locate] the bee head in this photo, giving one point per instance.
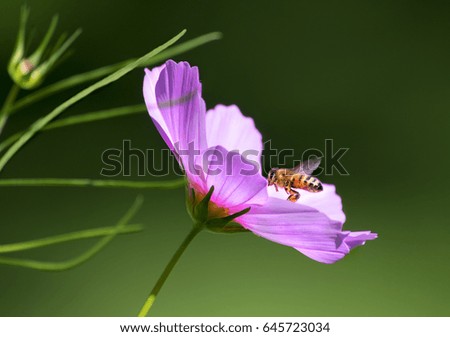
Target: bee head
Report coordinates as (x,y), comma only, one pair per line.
(272,176)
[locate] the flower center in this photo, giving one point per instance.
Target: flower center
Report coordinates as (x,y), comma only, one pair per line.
(215,211)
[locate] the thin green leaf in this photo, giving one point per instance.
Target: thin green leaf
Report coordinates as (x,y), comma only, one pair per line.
(71,263)
(97,115)
(84,118)
(52,240)
(7,105)
(36,57)
(48,64)
(66,84)
(56,182)
(19,49)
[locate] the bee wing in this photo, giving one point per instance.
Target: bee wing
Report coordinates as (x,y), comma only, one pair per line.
(308,166)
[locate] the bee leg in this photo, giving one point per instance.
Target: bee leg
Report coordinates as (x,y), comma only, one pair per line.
(276,187)
(293,195)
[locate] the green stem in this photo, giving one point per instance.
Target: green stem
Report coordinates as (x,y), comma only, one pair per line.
(84,118)
(52,240)
(71,263)
(103,71)
(6,109)
(162,279)
(42,122)
(55,182)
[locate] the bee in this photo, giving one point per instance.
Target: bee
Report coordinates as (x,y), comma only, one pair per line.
(298,177)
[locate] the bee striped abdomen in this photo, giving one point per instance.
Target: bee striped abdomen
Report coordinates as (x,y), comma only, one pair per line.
(306,182)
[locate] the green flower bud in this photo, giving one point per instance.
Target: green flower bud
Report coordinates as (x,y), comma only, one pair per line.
(207,214)
(28,72)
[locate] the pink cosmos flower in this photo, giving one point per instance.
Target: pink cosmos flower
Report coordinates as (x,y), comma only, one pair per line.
(210,147)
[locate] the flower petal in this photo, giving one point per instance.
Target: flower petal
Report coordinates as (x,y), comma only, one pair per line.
(349,241)
(228,127)
(326,201)
(303,228)
(150,79)
(237,182)
(292,224)
(172,94)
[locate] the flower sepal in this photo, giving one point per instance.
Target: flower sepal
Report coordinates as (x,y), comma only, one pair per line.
(208,215)
(226,225)
(28,72)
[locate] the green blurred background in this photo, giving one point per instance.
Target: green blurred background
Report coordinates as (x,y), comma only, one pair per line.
(373,75)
